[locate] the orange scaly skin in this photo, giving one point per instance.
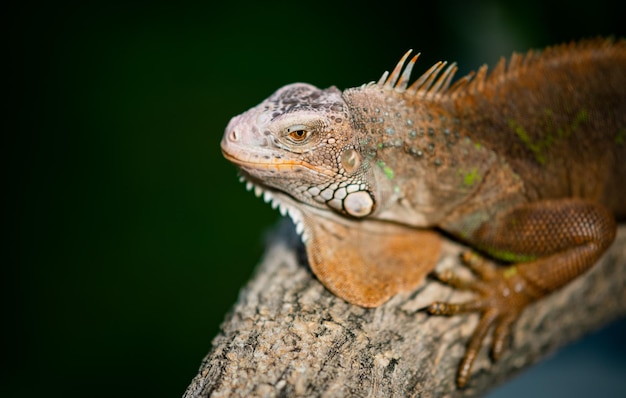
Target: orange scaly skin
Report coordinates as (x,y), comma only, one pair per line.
(526,165)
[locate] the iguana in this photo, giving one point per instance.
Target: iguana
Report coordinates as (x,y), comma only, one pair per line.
(526,165)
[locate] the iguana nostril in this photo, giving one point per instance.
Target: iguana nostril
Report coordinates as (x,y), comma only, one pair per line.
(233,136)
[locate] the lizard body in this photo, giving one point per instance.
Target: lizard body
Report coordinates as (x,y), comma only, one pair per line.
(526,164)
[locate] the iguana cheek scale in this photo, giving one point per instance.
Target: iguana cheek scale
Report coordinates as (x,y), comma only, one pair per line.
(526,165)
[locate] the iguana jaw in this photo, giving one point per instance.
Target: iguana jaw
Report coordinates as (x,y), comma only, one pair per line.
(257,164)
(301,214)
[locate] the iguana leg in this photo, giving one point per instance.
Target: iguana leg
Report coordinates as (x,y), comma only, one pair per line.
(549,242)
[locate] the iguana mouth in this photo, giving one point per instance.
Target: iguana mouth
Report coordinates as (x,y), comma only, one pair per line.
(274,164)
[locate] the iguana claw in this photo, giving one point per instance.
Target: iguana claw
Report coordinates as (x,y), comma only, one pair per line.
(501,298)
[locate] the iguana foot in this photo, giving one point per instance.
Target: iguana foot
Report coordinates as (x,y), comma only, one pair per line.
(502,295)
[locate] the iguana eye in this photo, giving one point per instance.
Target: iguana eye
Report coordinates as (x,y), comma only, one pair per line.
(298,132)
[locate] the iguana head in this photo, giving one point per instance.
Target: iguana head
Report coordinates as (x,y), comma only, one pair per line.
(301,141)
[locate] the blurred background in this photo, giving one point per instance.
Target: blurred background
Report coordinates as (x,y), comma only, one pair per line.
(130,235)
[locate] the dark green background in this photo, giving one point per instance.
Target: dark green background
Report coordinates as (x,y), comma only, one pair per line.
(130,235)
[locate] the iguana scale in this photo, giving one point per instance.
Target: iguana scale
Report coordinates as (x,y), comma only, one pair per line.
(526,165)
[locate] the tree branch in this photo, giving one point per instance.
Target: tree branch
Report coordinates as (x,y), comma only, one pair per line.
(288,336)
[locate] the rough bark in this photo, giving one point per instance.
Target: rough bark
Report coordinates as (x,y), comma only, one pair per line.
(288,336)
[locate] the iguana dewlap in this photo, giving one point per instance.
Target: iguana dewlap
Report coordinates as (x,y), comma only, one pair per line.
(526,165)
